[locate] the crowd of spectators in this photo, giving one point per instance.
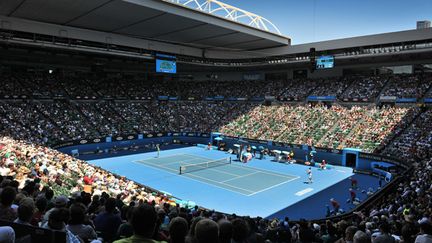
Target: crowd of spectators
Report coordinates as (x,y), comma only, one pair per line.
(52,122)
(408,86)
(86,86)
(334,127)
(364,87)
(44,188)
(415,142)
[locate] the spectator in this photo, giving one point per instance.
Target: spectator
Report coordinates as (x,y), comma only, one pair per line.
(425,235)
(26,210)
(361,237)
(384,235)
(144,224)
(76,223)
(125,230)
(207,231)
(178,229)
(7,197)
(41,205)
(59,202)
(349,234)
(57,220)
(7,234)
(225,231)
(108,221)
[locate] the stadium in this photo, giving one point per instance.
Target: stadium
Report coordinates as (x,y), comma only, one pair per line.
(198,121)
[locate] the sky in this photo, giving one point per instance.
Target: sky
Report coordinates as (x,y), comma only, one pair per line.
(335,19)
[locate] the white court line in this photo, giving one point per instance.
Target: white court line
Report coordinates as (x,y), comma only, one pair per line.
(164,164)
(151,163)
(185,162)
(252,169)
(269,172)
(220,171)
(147,161)
(167,156)
(241,176)
(181,163)
(342,171)
(268,188)
(156,165)
(218,182)
(224,188)
(214,168)
(197,156)
(302,192)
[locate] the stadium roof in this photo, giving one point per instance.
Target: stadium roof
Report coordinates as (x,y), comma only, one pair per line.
(147,19)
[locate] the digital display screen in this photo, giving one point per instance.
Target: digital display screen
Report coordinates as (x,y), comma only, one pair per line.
(324,62)
(166,66)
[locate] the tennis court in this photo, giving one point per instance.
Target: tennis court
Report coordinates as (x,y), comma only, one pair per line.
(221,173)
(237,188)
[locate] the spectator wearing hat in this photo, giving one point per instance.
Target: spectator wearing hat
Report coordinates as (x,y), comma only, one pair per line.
(59,202)
(57,221)
(26,209)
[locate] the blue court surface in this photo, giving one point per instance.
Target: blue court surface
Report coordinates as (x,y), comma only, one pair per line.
(258,188)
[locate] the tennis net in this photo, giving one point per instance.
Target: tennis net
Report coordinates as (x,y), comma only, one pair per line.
(201,166)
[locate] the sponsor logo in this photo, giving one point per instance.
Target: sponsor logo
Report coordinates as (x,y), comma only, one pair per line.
(83,141)
(119,138)
(97,140)
(149,135)
(159,134)
(130,137)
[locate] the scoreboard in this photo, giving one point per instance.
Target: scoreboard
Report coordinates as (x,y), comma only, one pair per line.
(166,66)
(324,62)
(166,63)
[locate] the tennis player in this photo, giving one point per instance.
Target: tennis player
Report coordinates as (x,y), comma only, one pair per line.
(158,150)
(309,173)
